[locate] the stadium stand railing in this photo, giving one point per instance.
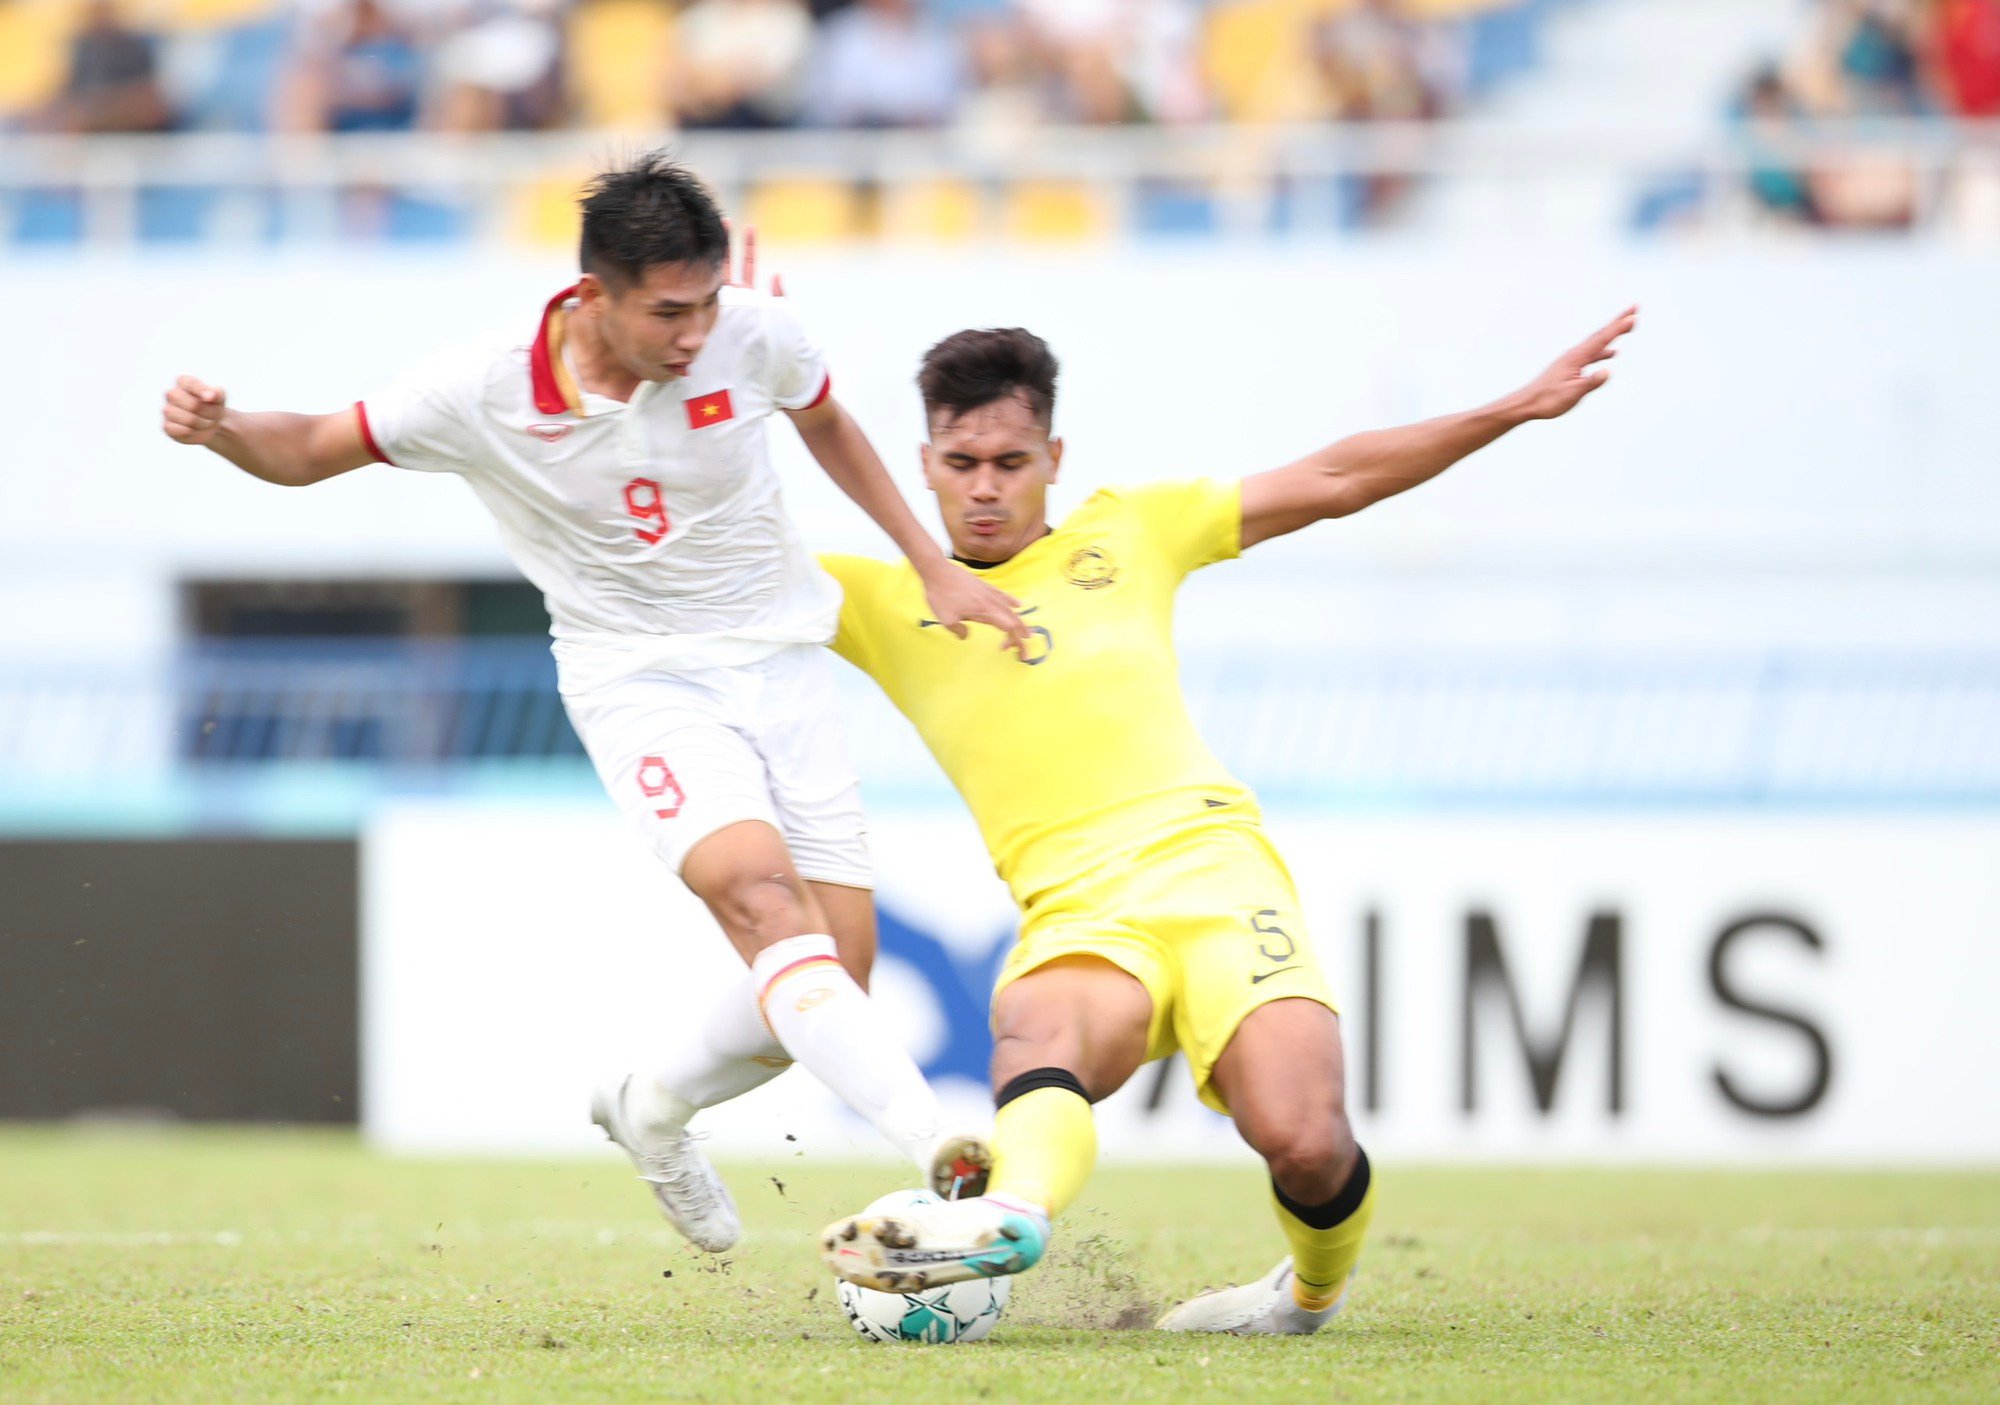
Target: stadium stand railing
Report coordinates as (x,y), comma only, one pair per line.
(1069,185)
(325,725)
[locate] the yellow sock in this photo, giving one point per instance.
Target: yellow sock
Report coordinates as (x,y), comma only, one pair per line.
(1326,1239)
(1044,1144)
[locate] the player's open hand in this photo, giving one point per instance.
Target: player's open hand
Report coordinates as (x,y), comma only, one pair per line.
(1577,372)
(193,411)
(749,264)
(959,599)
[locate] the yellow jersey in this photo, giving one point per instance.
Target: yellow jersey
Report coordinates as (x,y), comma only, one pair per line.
(1082,750)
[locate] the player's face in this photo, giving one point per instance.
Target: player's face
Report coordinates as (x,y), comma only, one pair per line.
(991,468)
(658,325)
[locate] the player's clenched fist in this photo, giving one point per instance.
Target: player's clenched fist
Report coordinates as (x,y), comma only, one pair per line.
(193,410)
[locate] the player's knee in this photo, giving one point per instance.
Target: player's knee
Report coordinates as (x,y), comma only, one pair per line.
(1310,1157)
(1020,1048)
(763,909)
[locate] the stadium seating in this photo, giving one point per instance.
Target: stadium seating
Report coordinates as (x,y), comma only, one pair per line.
(227,57)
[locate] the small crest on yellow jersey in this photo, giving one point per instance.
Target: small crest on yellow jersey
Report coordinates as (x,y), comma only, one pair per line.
(1091,567)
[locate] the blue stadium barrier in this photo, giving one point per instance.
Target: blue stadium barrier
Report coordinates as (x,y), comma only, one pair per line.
(357,717)
(46,217)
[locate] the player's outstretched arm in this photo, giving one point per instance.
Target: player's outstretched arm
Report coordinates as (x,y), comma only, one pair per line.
(286,449)
(957,597)
(1362,470)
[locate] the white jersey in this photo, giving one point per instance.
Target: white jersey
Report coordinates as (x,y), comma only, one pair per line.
(655,529)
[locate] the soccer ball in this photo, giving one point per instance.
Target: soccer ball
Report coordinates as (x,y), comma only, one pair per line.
(957,1312)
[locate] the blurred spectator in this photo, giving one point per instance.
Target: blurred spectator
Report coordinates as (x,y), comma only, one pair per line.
(113,79)
(502,68)
(1862,61)
(1770,119)
(358,69)
(1865,61)
(740,63)
(1081,44)
(883,63)
(1879,61)
(1371,65)
(1968,49)
(1119,60)
(1009,91)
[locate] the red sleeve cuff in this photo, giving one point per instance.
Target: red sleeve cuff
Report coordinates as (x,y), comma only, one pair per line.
(368,435)
(825,389)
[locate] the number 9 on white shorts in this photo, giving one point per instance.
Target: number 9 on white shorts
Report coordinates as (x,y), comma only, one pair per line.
(686,754)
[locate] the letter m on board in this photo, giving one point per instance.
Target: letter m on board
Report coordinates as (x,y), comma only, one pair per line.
(1598,972)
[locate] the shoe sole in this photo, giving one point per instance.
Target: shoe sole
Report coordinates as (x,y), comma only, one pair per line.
(960,1168)
(884,1254)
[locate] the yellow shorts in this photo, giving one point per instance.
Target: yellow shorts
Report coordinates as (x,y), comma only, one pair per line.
(1207,920)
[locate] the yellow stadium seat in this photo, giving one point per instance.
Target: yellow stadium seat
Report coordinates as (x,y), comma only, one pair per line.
(1056,212)
(34,51)
(175,15)
(933,212)
(619,56)
(543,213)
(1453,9)
(805,210)
(1255,55)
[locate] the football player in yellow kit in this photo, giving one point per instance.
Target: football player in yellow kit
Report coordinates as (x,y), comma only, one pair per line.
(1156,914)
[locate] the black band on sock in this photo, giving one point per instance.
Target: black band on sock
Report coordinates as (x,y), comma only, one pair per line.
(1337,1209)
(1024,1083)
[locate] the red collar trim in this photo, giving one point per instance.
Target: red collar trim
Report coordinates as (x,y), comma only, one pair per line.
(547,375)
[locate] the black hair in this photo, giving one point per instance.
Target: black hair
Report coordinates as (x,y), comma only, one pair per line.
(648,212)
(973,368)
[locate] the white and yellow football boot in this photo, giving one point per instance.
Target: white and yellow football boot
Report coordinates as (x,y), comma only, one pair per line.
(1265,1308)
(928,1246)
(690,1194)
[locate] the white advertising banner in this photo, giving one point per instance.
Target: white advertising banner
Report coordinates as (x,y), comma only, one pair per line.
(1688,987)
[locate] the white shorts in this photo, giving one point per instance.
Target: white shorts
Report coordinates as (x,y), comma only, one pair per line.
(685,754)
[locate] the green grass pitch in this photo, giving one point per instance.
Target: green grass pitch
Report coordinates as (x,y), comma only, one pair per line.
(210,1265)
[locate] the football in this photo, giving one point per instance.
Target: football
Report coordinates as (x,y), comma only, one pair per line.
(958,1312)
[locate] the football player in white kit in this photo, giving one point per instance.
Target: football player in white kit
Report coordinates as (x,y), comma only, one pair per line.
(622,453)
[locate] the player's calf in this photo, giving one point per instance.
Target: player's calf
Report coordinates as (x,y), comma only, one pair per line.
(1281,1076)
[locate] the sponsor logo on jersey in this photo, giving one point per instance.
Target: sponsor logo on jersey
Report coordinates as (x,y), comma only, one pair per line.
(1091,567)
(713,408)
(549,433)
(1265,976)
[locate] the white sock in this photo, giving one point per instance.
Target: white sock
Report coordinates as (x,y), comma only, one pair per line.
(827,1023)
(727,1055)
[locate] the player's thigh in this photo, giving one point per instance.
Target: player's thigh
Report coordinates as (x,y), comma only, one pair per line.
(815,792)
(672,763)
(745,876)
(1091,1012)
(1080,1013)
(1230,918)
(1282,1078)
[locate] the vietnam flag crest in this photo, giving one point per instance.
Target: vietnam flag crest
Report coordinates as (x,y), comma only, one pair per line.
(713,408)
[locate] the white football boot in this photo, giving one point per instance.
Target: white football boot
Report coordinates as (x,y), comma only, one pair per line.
(960,1162)
(1265,1308)
(691,1195)
(928,1246)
